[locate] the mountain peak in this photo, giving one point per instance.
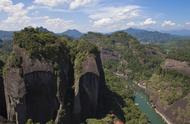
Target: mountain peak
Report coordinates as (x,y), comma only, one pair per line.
(42,29)
(72,30)
(146,36)
(73,33)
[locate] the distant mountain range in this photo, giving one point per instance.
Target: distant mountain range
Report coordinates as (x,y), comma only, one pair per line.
(183,32)
(144,36)
(75,34)
(6,35)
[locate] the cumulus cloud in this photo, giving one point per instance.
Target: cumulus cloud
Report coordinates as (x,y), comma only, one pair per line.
(72,4)
(168,23)
(50,3)
(131,24)
(113,15)
(103,22)
(17,18)
(57,24)
(17,15)
(148,21)
(79,3)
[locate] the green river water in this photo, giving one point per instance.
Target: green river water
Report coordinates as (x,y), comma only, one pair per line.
(143,103)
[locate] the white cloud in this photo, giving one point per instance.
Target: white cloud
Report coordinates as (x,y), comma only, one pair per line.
(16,15)
(187,23)
(103,22)
(131,24)
(50,3)
(17,18)
(168,23)
(72,4)
(57,24)
(148,21)
(113,15)
(79,3)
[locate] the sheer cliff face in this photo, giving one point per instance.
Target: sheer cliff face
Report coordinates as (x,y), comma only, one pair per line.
(35,90)
(41,92)
(3,111)
(88,91)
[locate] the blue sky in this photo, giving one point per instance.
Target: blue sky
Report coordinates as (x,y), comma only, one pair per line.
(95,15)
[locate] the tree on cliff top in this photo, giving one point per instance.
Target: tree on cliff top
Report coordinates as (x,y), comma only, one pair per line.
(40,44)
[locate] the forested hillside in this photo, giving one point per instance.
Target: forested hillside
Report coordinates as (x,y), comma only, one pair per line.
(178,49)
(150,66)
(65,80)
(163,70)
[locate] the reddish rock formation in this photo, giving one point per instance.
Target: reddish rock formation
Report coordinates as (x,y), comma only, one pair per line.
(182,67)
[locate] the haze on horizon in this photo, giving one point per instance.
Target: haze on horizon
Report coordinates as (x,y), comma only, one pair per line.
(95,15)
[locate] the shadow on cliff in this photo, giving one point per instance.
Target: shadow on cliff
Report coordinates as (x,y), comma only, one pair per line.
(109,102)
(3,111)
(41,101)
(94,99)
(44,95)
(113,104)
(97,101)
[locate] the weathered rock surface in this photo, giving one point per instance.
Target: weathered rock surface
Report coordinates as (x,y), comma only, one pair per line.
(3,111)
(177,112)
(107,54)
(89,89)
(181,67)
(35,90)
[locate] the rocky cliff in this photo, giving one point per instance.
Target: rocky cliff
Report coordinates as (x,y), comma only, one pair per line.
(88,88)
(3,112)
(33,89)
(42,81)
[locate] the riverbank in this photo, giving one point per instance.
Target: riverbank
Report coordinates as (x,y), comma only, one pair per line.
(156,110)
(163,117)
(141,86)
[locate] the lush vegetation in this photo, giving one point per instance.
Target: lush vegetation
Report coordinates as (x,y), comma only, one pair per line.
(142,63)
(175,84)
(135,61)
(79,51)
(5,49)
(171,86)
(120,86)
(146,36)
(178,49)
(41,44)
(120,103)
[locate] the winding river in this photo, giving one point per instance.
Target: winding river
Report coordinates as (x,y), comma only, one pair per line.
(143,103)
